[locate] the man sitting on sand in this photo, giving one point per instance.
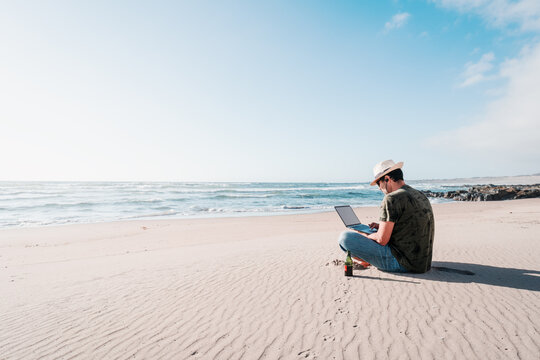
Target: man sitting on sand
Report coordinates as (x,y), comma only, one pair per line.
(404,239)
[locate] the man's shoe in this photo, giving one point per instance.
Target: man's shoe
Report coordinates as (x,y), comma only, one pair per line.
(361,262)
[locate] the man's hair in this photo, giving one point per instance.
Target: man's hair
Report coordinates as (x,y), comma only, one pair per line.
(395,175)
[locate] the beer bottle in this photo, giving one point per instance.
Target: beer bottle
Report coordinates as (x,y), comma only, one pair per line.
(348,264)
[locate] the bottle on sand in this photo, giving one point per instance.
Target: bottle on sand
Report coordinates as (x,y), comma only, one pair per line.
(348,264)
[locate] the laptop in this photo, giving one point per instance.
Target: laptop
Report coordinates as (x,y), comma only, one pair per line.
(349,218)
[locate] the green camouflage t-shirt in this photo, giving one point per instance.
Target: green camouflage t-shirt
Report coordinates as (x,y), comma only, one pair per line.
(411,241)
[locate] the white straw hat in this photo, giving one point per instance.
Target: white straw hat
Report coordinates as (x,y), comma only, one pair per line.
(383,168)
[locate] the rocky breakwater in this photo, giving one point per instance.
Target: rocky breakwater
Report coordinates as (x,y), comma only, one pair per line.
(489,193)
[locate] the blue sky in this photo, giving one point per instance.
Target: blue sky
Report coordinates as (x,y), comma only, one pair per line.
(268,91)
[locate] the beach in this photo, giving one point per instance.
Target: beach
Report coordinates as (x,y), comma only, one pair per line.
(265,287)
(171,173)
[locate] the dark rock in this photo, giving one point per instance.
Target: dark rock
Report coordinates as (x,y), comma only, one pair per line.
(489,193)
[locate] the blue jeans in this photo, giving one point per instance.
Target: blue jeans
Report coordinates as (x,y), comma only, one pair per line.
(370,251)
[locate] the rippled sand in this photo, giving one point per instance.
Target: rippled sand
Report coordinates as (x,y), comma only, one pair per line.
(266,287)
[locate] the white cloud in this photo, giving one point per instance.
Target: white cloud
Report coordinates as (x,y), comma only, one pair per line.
(507,132)
(505,135)
(476,72)
(525,13)
(397,21)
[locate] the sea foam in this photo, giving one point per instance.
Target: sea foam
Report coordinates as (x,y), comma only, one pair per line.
(27,204)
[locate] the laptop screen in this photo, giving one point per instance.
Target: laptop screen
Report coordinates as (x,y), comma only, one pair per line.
(347,214)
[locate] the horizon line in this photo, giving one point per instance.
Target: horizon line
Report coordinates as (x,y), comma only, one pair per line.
(257,181)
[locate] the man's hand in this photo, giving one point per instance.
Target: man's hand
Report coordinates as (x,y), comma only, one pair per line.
(374,225)
(383,234)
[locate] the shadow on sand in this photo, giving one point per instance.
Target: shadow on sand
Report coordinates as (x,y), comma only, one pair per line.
(482,274)
(383,279)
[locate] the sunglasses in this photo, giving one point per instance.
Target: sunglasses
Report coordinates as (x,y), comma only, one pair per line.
(379,181)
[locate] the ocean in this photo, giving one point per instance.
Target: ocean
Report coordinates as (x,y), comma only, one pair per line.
(30,204)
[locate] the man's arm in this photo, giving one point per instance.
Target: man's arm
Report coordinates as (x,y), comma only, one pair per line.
(382,236)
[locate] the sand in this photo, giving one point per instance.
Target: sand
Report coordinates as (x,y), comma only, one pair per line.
(266,288)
